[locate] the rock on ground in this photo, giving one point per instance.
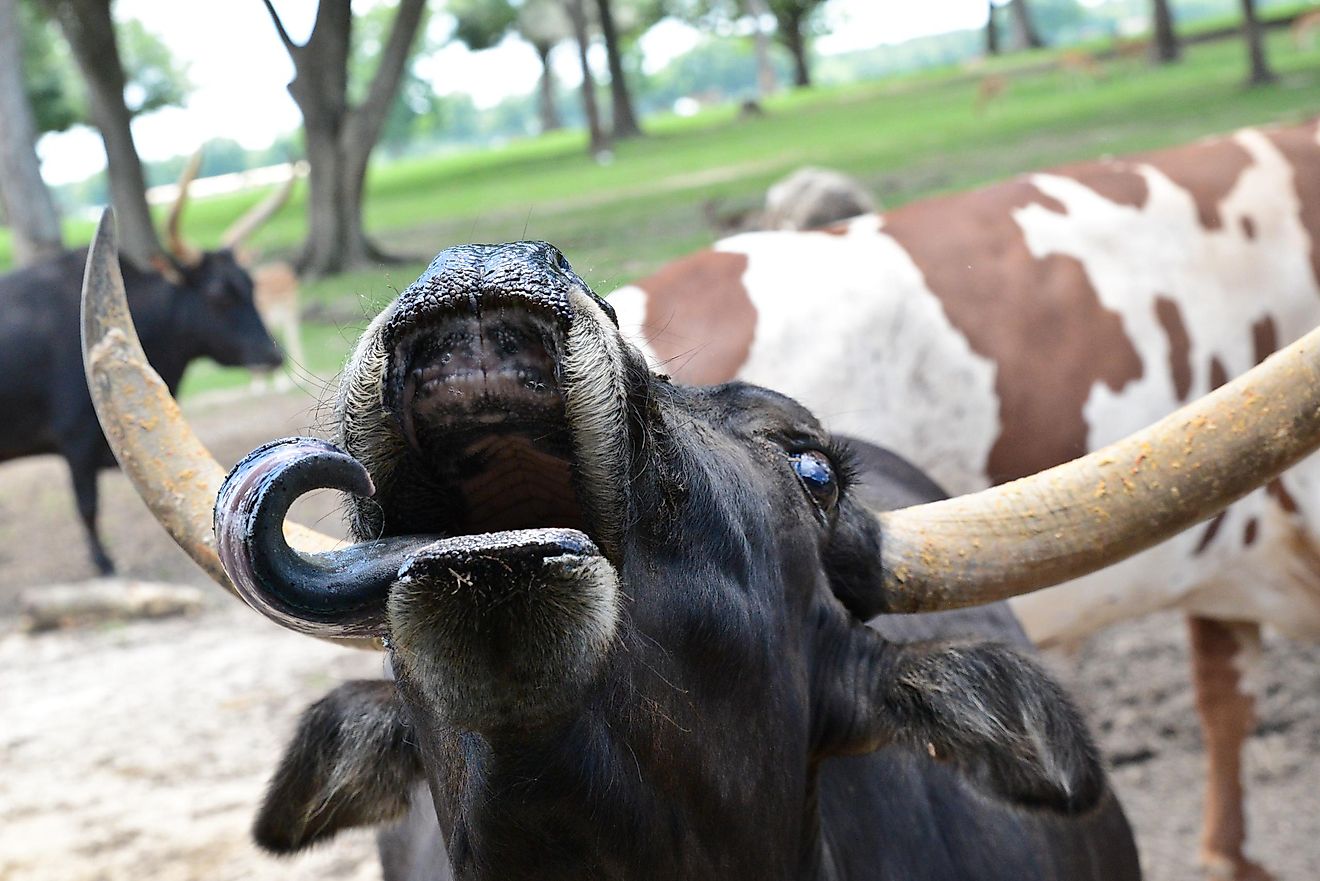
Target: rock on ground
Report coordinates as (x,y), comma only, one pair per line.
(104,600)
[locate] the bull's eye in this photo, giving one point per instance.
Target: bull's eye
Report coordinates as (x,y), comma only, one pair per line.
(817,475)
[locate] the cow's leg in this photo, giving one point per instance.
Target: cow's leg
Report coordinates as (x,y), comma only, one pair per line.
(1227,718)
(83,461)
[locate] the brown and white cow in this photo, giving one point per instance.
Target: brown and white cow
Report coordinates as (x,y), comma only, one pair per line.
(991,334)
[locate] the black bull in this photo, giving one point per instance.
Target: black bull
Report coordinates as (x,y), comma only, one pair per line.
(625,623)
(43,392)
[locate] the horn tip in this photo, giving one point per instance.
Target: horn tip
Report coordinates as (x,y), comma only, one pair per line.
(105,229)
(101,281)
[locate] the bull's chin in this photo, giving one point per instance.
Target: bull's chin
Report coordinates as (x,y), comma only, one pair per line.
(501,632)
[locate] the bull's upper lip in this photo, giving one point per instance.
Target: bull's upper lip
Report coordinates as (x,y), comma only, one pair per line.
(499,358)
(422,313)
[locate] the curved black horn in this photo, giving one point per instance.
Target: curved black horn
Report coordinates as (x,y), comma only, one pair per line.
(336,593)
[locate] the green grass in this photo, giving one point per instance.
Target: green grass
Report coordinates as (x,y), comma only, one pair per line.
(907,137)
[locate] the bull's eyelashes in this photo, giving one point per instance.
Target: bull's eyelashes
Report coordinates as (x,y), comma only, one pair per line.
(816,474)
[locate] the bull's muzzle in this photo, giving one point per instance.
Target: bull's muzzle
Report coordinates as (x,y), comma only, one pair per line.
(480,362)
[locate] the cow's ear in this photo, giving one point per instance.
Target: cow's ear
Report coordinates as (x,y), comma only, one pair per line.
(351,763)
(995,715)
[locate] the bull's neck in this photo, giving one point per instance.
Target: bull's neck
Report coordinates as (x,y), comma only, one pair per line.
(604,797)
(542,809)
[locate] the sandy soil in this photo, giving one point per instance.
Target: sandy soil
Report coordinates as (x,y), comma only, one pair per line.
(141,750)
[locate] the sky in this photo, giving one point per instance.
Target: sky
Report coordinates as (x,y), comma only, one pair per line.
(238,67)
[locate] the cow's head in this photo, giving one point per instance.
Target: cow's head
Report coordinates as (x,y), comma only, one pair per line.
(624,616)
(216,302)
(218,311)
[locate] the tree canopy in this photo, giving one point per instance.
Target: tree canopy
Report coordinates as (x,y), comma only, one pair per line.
(154,77)
(49,73)
(481,24)
(416,107)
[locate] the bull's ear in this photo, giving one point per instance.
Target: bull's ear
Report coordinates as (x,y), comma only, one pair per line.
(351,763)
(996,715)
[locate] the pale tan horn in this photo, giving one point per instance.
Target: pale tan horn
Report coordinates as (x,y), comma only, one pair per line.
(263,210)
(1086,514)
(184,252)
(172,471)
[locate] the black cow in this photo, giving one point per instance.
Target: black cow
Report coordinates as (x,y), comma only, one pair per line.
(43,393)
(625,621)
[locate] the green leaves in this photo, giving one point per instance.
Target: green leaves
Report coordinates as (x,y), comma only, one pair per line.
(481,24)
(53,88)
(154,77)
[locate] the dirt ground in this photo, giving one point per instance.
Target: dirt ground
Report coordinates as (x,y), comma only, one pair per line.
(141,750)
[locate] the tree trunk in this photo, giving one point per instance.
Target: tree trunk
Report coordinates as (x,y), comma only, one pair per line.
(766,81)
(578,16)
(1260,74)
(790,32)
(1024,32)
(340,137)
(545,106)
(991,32)
(320,89)
(28,207)
(623,118)
(1165,49)
(91,34)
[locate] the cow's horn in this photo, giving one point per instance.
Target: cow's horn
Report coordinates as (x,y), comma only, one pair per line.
(1086,514)
(183,251)
(170,468)
(264,210)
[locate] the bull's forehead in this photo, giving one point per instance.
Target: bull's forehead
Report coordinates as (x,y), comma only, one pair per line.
(764,410)
(465,276)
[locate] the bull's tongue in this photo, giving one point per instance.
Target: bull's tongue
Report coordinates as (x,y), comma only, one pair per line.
(344,592)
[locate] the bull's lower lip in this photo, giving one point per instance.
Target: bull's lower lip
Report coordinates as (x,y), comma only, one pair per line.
(501,630)
(506,554)
(451,366)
